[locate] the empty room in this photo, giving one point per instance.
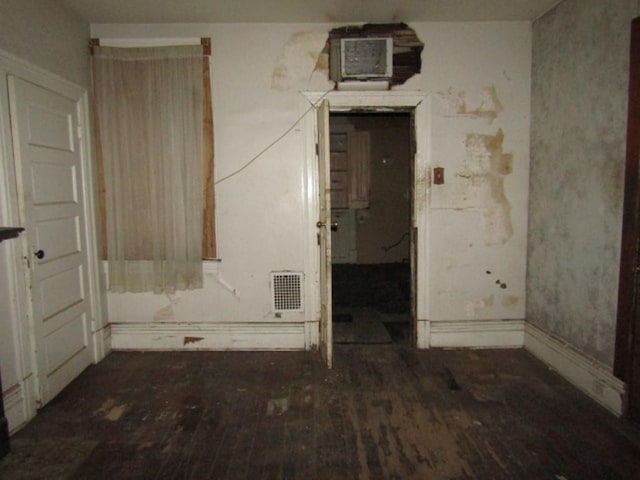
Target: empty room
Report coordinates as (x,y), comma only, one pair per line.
(340,239)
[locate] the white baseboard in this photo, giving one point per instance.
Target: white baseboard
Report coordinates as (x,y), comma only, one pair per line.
(587,374)
(19,404)
(312,335)
(102,343)
(15,407)
(423,334)
(208,336)
(474,334)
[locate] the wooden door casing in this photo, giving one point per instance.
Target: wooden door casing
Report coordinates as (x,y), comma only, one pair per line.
(627,348)
(324,232)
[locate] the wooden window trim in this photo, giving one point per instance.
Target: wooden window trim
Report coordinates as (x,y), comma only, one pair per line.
(209,247)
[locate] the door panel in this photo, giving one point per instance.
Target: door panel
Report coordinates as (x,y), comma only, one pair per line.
(49,163)
(324,227)
(53,183)
(56,233)
(58,293)
(69,337)
(58,321)
(49,128)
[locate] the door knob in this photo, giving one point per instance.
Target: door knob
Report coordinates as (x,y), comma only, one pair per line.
(39,254)
(334,225)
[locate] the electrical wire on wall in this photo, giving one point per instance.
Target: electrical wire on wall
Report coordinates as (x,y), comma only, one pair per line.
(402,238)
(272,144)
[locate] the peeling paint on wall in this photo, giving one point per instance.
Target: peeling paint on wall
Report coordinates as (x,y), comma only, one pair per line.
(167,313)
(235,288)
(484,173)
(422,183)
(302,56)
(487,106)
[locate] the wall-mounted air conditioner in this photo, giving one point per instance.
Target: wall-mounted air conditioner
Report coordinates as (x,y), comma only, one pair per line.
(363,58)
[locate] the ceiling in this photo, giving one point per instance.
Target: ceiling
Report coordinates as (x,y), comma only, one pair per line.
(303,11)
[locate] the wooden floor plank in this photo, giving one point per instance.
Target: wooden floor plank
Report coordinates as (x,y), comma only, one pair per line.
(384,411)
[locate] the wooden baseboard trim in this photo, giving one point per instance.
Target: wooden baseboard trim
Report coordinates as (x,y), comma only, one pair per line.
(587,374)
(198,336)
(475,334)
(16,404)
(102,343)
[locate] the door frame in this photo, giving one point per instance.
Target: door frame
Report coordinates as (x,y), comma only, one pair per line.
(13,212)
(627,346)
(324,232)
(369,101)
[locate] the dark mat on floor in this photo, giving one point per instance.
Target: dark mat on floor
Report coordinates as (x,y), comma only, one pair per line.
(400,332)
(366,328)
(385,287)
(342,318)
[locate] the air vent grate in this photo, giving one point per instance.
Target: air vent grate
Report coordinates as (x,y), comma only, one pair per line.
(287,291)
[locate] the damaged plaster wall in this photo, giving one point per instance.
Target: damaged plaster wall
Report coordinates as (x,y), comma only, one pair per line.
(477,225)
(479,135)
(579,105)
(302,56)
(256,82)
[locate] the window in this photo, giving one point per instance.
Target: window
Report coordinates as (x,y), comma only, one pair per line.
(154,149)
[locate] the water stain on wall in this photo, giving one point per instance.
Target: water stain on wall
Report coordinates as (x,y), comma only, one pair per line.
(510,300)
(484,172)
(423,182)
(303,54)
(472,309)
(165,313)
(488,106)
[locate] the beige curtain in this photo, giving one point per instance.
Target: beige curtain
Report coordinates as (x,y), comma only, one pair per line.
(148,105)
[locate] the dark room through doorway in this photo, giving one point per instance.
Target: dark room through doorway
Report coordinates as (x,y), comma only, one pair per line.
(371,203)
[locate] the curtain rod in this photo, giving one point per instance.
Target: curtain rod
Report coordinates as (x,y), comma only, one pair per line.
(204,41)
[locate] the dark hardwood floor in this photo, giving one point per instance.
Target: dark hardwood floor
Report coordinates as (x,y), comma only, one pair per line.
(383,412)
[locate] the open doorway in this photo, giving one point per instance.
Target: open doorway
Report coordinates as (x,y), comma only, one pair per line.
(371,160)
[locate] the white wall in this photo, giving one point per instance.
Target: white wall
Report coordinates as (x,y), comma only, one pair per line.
(478,225)
(259,71)
(46,34)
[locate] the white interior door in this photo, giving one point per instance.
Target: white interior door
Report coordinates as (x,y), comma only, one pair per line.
(324,227)
(49,165)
